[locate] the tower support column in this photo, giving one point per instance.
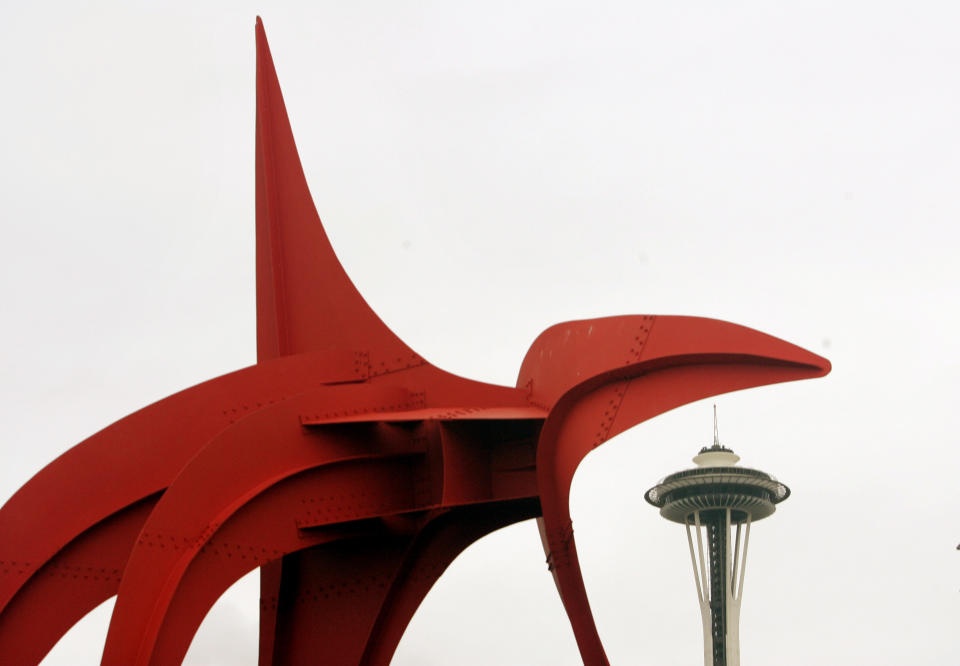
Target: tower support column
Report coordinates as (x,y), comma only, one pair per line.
(718,573)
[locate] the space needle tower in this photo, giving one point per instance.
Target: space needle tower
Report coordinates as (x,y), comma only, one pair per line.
(722,501)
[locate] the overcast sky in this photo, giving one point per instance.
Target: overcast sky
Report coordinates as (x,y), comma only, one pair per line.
(485,170)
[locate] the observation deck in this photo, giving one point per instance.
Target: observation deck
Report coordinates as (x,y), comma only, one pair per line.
(746,492)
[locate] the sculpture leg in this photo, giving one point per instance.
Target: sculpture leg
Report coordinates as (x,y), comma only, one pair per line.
(350,602)
(582,426)
(270,577)
(259,533)
(76,580)
(329,599)
(437,544)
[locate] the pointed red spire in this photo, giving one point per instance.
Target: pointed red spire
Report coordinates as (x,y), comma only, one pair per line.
(305,301)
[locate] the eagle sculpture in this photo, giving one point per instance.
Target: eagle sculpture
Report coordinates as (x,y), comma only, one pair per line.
(346,467)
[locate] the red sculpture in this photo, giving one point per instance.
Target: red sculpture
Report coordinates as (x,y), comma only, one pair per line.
(346,467)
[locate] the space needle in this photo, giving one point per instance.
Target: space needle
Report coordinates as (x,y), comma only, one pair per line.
(722,500)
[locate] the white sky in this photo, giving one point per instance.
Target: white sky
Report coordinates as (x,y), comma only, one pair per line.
(486,170)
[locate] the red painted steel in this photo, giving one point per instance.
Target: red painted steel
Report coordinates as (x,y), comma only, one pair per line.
(347,468)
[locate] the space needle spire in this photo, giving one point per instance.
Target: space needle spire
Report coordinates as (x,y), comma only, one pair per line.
(717,502)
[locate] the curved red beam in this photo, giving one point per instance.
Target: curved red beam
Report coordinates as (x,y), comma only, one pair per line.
(143,453)
(600,377)
(345,466)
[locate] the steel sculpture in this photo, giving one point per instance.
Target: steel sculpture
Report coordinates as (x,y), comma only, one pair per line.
(343,465)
